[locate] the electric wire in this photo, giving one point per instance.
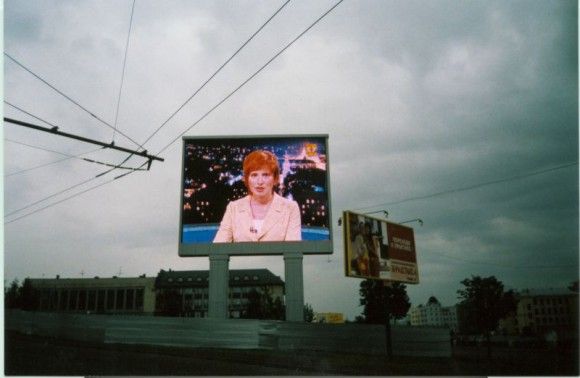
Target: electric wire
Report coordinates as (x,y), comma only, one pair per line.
(29,114)
(46,198)
(167,146)
(123,72)
(471,187)
(70,99)
(67,157)
(508,266)
(217,71)
(207,81)
(63,200)
(253,75)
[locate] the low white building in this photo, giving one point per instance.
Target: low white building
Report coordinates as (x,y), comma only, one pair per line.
(434,315)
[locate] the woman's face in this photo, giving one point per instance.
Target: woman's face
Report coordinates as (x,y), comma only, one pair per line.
(261,183)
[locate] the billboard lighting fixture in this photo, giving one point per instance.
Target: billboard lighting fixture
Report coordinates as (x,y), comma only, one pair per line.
(418,220)
(385,212)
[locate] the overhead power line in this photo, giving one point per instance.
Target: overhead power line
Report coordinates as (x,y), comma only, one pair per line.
(30,114)
(67,157)
(207,81)
(217,71)
(167,146)
(55,131)
(253,75)
(503,265)
(120,165)
(471,187)
(123,72)
(63,200)
(70,99)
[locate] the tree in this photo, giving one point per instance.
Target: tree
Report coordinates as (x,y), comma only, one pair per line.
(485,302)
(573,286)
(12,295)
(28,296)
(308,313)
(261,305)
(375,296)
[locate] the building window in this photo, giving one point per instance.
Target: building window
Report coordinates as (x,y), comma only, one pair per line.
(120,299)
(72,304)
(139,297)
(129,300)
(82,300)
(100,300)
(110,299)
(91,305)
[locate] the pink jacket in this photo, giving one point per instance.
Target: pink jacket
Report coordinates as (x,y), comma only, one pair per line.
(282,222)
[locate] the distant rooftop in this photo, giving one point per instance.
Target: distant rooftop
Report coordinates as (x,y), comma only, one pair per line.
(238,277)
(545,292)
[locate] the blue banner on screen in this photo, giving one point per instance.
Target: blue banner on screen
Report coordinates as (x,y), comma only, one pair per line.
(248,190)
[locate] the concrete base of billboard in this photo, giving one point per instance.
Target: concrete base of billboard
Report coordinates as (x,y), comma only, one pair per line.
(294,286)
(219,277)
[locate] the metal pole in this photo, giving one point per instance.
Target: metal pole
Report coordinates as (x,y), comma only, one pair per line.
(55,131)
(388,338)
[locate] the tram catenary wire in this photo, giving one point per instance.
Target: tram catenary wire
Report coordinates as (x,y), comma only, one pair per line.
(123,72)
(205,115)
(205,83)
(70,99)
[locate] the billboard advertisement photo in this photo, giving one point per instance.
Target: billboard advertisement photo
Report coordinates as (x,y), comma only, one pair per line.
(255,195)
(377,249)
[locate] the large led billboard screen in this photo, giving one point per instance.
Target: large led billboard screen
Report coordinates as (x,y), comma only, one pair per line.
(255,195)
(377,249)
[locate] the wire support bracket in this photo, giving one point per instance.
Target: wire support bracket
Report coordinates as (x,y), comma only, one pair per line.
(54,130)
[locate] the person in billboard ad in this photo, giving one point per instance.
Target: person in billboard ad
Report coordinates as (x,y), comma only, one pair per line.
(262,215)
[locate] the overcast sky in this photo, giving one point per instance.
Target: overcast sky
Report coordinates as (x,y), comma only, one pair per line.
(420,100)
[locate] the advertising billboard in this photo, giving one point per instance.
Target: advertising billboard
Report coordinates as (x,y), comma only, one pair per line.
(255,195)
(377,249)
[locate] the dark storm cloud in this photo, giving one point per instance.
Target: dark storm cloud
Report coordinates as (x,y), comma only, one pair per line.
(418,97)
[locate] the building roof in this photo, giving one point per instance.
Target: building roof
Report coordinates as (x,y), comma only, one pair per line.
(95,282)
(546,292)
(200,278)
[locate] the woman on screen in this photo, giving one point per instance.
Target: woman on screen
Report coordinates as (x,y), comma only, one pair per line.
(262,215)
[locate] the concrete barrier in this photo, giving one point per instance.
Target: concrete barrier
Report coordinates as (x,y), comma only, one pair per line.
(232,333)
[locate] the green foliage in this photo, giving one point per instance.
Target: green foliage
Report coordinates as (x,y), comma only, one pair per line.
(308,313)
(12,297)
(261,305)
(375,296)
(485,302)
(168,303)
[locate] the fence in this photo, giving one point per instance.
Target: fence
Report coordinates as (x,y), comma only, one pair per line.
(231,333)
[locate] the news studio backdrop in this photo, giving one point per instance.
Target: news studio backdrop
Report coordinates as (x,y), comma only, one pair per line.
(212,177)
(378,249)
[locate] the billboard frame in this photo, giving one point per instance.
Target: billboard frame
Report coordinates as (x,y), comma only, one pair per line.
(346,242)
(307,247)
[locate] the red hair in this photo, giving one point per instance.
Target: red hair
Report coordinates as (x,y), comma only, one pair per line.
(261,159)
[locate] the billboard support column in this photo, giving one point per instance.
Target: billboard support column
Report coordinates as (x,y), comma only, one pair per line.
(218,286)
(294,286)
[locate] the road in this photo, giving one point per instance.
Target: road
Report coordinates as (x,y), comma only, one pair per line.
(40,356)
